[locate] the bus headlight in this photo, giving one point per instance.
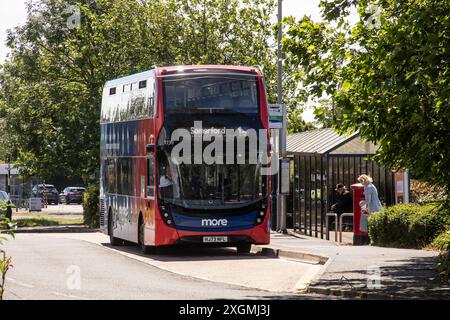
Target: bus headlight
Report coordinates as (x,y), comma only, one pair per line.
(261,215)
(165,214)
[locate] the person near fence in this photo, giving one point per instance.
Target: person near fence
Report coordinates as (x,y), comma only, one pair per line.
(8,210)
(371,194)
(344,200)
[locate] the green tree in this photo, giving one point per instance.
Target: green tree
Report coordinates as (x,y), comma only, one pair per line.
(387,75)
(325,113)
(295,121)
(295,99)
(52,82)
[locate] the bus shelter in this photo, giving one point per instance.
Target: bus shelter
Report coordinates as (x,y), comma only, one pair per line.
(320,160)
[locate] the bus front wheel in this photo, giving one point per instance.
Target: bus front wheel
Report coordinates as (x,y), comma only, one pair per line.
(145,249)
(244,247)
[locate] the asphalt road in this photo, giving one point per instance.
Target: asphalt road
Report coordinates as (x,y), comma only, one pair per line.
(57,268)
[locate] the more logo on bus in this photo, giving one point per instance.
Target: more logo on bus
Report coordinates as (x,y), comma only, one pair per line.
(214,222)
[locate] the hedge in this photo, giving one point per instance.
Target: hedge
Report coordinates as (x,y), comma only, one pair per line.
(408,225)
(91,211)
(442,243)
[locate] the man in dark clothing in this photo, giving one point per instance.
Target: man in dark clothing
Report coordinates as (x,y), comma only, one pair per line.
(8,210)
(344,200)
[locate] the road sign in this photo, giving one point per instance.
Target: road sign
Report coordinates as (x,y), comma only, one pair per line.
(285,173)
(275,116)
(35,204)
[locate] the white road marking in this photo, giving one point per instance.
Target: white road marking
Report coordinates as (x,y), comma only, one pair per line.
(22,284)
(9,291)
(59,294)
(292,260)
(310,274)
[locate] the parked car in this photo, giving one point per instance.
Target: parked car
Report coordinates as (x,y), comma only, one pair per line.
(48,190)
(72,195)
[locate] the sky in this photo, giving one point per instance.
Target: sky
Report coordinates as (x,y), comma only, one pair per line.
(13,13)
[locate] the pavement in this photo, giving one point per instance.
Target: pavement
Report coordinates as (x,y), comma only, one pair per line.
(369,272)
(296,264)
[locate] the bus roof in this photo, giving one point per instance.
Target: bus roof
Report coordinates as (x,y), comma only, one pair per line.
(172,69)
(131,78)
(209,67)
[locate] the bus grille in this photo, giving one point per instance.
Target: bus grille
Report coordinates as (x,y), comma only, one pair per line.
(102,212)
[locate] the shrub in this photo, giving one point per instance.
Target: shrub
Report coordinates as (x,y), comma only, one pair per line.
(425,192)
(6,229)
(408,225)
(5,265)
(91,211)
(442,243)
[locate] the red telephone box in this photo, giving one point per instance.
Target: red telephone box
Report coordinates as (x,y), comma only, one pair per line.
(360,216)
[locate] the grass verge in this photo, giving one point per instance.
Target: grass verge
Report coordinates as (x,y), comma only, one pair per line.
(44,222)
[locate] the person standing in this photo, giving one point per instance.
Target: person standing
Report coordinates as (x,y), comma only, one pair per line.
(9,210)
(344,200)
(371,194)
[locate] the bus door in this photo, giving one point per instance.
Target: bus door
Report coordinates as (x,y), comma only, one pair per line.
(150,188)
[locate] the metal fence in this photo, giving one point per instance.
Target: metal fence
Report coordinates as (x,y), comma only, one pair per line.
(314,178)
(20,190)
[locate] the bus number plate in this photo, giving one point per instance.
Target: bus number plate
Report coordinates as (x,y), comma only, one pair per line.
(215,239)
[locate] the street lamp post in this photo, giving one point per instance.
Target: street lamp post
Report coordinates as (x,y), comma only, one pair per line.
(8,182)
(279,54)
(281,198)
(8,159)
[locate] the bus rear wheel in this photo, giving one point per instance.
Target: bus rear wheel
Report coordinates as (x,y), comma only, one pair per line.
(145,249)
(113,240)
(244,247)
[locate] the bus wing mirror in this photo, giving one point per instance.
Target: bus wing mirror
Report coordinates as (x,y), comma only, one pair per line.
(150,148)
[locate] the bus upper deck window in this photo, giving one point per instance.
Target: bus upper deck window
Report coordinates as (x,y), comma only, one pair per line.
(143,84)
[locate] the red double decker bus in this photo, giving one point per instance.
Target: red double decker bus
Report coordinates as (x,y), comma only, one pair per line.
(178,158)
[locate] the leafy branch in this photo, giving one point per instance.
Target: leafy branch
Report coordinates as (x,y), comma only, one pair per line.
(6,231)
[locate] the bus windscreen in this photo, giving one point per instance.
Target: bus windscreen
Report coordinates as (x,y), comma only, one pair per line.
(221,186)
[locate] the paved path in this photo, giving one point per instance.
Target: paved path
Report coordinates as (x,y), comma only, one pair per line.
(404,273)
(46,265)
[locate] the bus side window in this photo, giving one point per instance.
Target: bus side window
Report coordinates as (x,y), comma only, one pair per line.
(150,177)
(150,107)
(150,110)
